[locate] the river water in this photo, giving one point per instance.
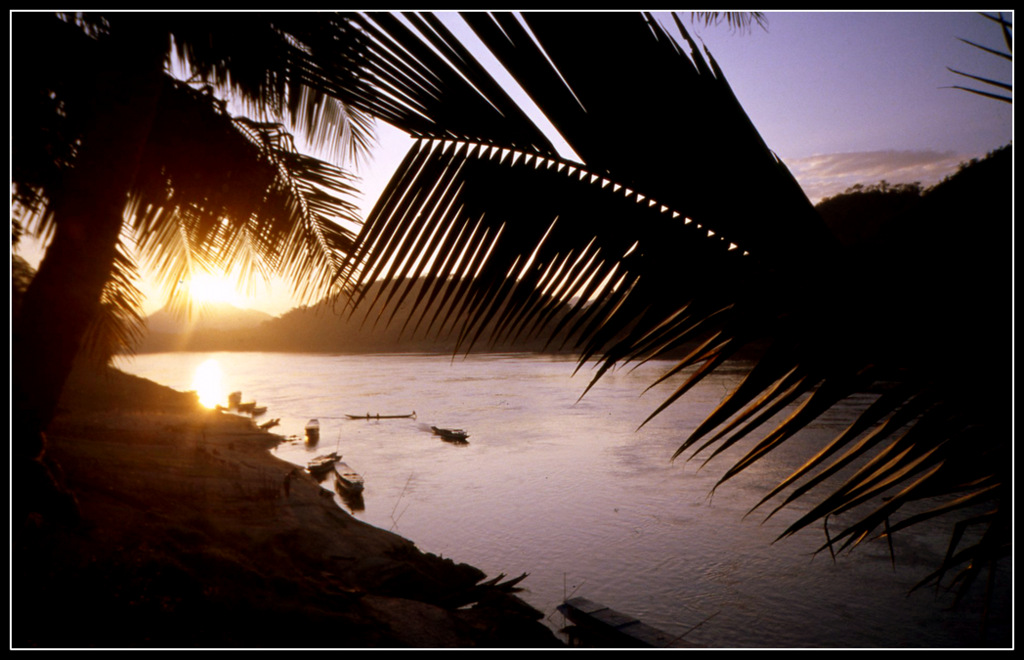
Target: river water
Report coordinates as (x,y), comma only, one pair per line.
(571,492)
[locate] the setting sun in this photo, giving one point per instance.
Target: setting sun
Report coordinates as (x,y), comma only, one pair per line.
(208,288)
(208,383)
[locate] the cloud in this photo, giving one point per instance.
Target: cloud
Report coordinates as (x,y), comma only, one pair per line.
(825,175)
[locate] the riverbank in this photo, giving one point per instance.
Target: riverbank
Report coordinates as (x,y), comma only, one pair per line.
(190,537)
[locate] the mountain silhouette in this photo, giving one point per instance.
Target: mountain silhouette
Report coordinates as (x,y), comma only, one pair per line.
(209,316)
(325,327)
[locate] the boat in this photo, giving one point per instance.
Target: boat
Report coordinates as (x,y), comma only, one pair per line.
(347,478)
(350,497)
(258,410)
(321,465)
(597,625)
(266,426)
(379,416)
(247,407)
(451,435)
(313,431)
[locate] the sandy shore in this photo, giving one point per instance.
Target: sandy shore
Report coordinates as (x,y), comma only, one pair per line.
(189,538)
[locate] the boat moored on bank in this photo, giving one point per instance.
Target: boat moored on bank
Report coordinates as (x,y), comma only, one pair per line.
(321,466)
(313,431)
(348,479)
(596,625)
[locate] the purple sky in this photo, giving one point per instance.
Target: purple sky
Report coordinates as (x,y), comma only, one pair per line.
(854,97)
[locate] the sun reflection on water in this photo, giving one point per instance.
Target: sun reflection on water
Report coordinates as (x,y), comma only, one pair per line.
(208,383)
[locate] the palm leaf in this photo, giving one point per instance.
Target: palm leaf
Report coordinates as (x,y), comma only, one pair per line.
(385,225)
(303,68)
(427,84)
(48,96)
(119,324)
(1007,33)
(737,20)
(278,212)
(454,238)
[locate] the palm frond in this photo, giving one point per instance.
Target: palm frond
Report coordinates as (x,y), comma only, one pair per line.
(737,20)
(928,434)
(119,324)
(620,163)
(21,276)
(980,92)
(992,51)
(554,262)
(650,80)
(301,68)
(230,194)
(427,84)
(1007,33)
(48,96)
(624,258)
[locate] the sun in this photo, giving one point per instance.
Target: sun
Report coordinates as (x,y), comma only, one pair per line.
(208,383)
(209,288)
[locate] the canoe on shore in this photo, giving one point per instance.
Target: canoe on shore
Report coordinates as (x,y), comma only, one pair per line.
(347,478)
(321,465)
(596,625)
(312,431)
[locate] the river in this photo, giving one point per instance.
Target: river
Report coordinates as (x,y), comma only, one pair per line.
(570,491)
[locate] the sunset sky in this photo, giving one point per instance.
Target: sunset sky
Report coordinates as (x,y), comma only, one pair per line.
(849,97)
(841,97)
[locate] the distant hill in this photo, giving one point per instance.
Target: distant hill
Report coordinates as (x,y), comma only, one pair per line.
(329,328)
(320,328)
(211,316)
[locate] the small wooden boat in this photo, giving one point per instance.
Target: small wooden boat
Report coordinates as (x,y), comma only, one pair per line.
(247,407)
(379,416)
(600,626)
(347,478)
(313,431)
(258,410)
(351,498)
(457,436)
(321,465)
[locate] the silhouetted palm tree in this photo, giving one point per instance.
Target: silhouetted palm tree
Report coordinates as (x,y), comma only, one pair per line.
(108,142)
(678,229)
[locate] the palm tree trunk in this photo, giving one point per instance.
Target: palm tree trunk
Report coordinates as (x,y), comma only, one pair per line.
(66,291)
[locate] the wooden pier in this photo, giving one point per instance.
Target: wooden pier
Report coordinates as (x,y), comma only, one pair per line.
(596,625)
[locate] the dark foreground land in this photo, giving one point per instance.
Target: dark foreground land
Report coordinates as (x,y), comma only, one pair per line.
(189,538)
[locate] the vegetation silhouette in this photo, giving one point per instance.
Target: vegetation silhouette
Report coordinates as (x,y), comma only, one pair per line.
(700,238)
(859,213)
(114,148)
